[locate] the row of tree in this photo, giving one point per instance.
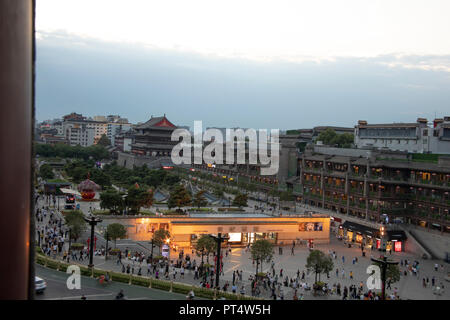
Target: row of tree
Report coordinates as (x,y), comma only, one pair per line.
(61,150)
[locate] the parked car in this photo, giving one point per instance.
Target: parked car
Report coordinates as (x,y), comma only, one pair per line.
(40,284)
(69,207)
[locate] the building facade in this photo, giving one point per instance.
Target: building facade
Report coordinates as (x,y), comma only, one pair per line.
(416,137)
(379,187)
(242,229)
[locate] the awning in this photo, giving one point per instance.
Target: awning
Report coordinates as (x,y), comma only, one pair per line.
(398,235)
(70,191)
(352,226)
(336,219)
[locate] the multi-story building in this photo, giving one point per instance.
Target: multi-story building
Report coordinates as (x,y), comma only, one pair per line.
(115,128)
(376,186)
(77,132)
(416,137)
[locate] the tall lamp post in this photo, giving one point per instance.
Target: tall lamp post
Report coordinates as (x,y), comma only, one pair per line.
(106,250)
(384,264)
(92,220)
(219,239)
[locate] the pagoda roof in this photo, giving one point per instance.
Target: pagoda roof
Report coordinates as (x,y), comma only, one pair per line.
(157,122)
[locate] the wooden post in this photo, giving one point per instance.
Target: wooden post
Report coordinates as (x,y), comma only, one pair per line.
(130,280)
(171,286)
(150,285)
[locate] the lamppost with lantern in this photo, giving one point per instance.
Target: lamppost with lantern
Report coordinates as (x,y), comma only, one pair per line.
(384,264)
(92,220)
(219,239)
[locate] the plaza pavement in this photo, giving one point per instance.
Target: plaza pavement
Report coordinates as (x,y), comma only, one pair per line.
(409,287)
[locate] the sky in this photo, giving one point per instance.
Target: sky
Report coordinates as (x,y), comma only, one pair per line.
(259,64)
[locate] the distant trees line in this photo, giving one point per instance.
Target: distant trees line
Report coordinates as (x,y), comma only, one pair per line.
(97,152)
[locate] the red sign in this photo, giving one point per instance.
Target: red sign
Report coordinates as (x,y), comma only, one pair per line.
(398,246)
(378,244)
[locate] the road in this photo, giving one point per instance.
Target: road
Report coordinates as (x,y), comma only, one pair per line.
(92,290)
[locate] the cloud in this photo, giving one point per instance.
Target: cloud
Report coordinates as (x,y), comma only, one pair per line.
(98,77)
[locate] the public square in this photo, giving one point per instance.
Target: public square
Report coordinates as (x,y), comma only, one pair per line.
(239,259)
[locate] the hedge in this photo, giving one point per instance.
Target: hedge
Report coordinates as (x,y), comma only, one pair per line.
(120,277)
(230,209)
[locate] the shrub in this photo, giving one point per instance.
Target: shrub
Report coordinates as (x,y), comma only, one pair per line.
(52,264)
(140,281)
(120,277)
(85,271)
(181,288)
(160,284)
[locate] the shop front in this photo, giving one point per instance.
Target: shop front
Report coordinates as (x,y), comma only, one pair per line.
(358,234)
(396,240)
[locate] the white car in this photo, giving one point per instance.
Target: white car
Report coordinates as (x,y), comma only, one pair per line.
(40,284)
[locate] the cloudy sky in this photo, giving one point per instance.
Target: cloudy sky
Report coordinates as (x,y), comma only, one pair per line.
(261,64)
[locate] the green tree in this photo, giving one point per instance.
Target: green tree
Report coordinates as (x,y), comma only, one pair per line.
(240,200)
(160,236)
(179,197)
(199,199)
(46,172)
(75,221)
(261,250)
(104,141)
(116,231)
(138,197)
(330,137)
(218,192)
(319,263)
(392,272)
(205,245)
(112,200)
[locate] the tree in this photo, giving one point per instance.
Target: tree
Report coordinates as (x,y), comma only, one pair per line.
(116,231)
(179,197)
(330,137)
(75,221)
(159,237)
(46,172)
(205,245)
(261,250)
(138,197)
(112,200)
(199,199)
(218,192)
(240,200)
(319,263)
(104,141)
(392,272)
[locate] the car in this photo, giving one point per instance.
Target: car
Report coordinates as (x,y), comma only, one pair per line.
(40,284)
(69,207)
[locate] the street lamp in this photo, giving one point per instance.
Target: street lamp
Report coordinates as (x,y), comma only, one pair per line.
(106,250)
(384,263)
(219,239)
(92,220)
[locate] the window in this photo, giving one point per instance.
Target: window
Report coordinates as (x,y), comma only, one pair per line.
(425,132)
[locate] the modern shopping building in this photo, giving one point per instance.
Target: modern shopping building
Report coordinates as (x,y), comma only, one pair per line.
(240,228)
